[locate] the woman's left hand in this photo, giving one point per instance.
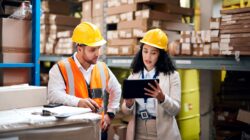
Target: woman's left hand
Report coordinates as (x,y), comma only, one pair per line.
(156,92)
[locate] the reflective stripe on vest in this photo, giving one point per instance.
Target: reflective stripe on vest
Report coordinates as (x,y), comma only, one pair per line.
(105,95)
(70,78)
(75,81)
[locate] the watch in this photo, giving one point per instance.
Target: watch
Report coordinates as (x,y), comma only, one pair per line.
(111,115)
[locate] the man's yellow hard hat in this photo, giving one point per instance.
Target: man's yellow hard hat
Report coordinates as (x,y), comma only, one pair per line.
(88,34)
(156,38)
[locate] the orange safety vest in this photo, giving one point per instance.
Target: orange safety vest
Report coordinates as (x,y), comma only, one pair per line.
(75,81)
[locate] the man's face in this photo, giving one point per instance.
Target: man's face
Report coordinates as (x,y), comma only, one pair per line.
(89,54)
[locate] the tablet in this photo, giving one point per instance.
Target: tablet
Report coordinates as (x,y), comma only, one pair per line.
(135,88)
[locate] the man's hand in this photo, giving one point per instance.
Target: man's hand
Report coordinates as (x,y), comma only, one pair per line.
(106,122)
(88,103)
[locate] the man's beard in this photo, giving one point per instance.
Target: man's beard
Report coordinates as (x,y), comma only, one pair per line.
(91,61)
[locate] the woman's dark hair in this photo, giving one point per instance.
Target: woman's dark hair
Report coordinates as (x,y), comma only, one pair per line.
(163,64)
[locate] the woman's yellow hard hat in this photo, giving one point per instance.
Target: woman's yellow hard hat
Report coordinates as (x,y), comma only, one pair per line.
(88,34)
(156,38)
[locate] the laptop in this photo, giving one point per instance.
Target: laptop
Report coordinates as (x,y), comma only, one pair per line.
(135,88)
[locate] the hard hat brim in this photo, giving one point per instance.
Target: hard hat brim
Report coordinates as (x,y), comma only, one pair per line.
(152,45)
(99,43)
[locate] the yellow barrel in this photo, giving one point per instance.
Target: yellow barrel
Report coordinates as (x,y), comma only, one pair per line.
(190,127)
(189,116)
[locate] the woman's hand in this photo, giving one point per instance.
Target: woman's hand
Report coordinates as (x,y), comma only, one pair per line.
(156,92)
(129,102)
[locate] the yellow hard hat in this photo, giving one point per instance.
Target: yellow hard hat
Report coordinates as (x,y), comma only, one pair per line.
(88,34)
(156,38)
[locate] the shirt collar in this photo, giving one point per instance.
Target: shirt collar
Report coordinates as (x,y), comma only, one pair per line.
(151,73)
(79,65)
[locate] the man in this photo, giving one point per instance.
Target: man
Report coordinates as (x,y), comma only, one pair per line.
(82,81)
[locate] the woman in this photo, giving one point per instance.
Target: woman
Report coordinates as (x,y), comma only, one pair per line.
(154,118)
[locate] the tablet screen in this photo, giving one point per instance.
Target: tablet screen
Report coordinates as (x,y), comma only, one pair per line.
(135,88)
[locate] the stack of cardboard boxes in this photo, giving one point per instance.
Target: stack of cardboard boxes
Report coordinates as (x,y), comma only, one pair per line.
(15,47)
(93,11)
(198,43)
(235,32)
(56,18)
(128,21)
(215,36)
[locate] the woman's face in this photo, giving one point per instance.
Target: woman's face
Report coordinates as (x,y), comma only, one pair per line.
(150,56)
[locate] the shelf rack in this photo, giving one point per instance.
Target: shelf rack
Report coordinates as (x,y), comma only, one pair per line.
(188,62)
(34,65)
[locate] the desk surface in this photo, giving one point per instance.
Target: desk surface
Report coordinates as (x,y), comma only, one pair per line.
(21,119)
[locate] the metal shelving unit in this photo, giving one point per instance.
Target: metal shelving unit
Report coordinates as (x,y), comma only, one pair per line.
(52,58)
(34,65)
(208,63)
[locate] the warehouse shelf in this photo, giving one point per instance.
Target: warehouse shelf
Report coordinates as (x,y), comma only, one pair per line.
(119,61)
(52,58)
(213,63)
(35,46)
(15,65)
(188,62)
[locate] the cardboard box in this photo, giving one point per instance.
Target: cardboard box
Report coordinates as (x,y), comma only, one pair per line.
(54,29)
(14,97)
(117,42)
(244,116)
(156,15)
(15,57)
(113,3)
(180,10)
(15,33)
(215,48)
(60,20)
(87,10)
(126,50)
(112,19)
(56,7)
(125,33)
(129,16)
(112,34)
(98,21)
(235,11)
(122,9)
(112,50)
(175,26)
(143,24)
(174,2)
(215,23)
(186,49)
(12,76)
(98,8)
